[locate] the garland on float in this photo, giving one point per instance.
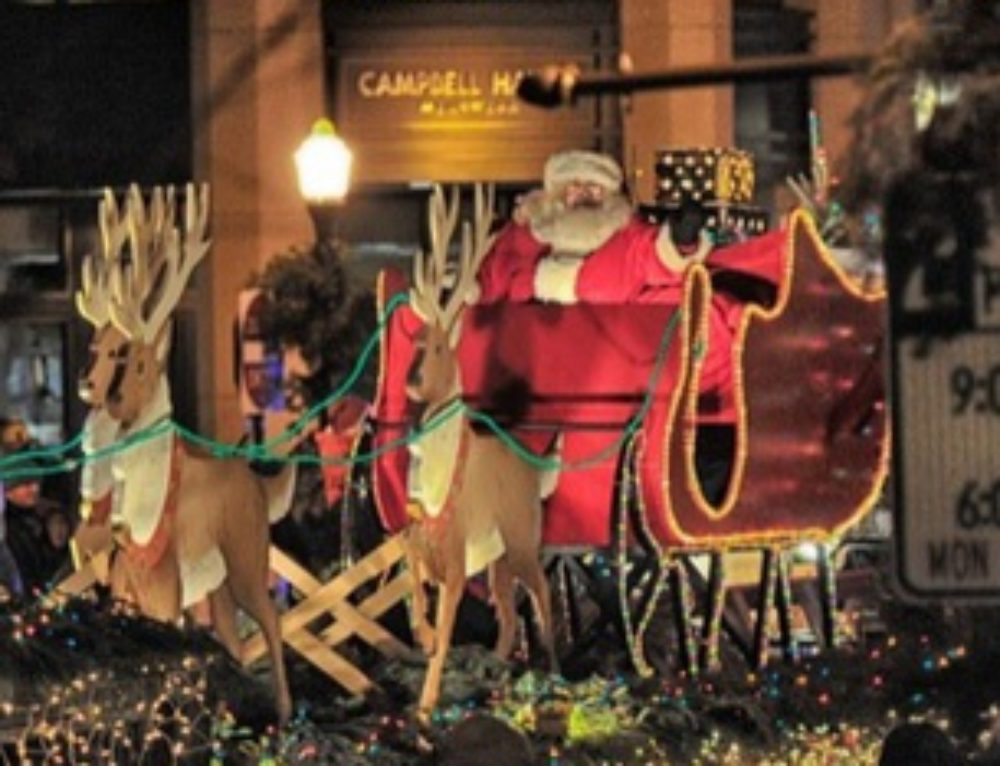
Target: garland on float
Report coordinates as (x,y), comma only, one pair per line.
(12,467)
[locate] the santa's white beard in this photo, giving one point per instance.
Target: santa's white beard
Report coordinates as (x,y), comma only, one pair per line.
(580,230)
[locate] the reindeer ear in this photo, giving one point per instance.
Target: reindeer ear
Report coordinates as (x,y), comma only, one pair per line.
(161,343)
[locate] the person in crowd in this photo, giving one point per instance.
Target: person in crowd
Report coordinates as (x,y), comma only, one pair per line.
(56,560)
(26,531)
(38,518)
(13,434)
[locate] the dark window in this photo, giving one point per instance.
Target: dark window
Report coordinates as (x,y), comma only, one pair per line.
(772,118)
(31,253)
(94,95)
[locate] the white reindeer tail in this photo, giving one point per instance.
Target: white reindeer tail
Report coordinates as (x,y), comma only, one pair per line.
(278,491)
(549,478)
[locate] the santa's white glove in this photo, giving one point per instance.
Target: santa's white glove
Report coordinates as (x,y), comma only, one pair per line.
(555,278)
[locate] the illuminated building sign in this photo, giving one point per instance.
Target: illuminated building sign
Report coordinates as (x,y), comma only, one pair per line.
(419,97)
(428,91)
(451,115)
(436,84)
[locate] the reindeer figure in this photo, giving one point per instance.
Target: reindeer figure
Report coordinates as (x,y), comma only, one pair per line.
(191,525)
(478,503)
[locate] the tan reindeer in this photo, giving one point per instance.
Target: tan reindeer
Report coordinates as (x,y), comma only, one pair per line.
(191,525)
(477,502)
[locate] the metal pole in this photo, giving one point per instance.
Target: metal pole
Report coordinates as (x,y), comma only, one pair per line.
(555,86)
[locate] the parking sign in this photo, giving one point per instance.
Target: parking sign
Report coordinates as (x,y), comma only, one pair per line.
(943,261)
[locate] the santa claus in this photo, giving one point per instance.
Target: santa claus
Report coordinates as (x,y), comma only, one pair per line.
(578,239)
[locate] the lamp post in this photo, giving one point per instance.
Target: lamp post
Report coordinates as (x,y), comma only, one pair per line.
(323,163)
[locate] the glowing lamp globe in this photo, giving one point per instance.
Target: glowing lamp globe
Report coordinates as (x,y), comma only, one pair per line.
(323,162)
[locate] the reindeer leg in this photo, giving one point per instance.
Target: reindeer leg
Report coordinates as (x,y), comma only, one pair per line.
(530,571)
(251,593)
(423,633)
(223,610)
(502,590)
(448,600)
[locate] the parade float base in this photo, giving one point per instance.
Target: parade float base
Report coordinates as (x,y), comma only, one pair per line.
(94,673)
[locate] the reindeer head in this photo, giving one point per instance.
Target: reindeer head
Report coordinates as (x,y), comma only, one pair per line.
(433,376)
(129,296)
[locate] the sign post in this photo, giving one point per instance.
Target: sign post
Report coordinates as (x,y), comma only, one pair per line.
(944,277)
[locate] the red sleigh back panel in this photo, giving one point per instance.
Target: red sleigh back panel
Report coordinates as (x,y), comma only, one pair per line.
(811,447)
(811,426)
(582,370)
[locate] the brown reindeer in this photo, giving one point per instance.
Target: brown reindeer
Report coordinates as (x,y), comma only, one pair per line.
(477,502)
(191,525)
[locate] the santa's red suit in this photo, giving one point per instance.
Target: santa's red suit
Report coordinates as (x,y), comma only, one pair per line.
(626,269)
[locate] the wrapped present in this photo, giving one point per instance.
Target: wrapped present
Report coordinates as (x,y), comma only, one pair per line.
(707,188)
(705,175)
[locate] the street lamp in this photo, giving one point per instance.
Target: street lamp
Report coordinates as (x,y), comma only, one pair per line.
(323,163)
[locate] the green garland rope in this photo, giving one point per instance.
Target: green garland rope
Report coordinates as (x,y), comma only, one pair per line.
(10,470)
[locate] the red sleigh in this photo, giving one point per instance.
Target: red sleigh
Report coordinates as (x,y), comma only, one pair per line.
(625,387)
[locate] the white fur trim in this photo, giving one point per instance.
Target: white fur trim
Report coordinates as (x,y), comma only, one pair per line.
(99,432)
(586,167)
(142,472)
(670,257)
(555,278)
(201,576)
(433,460)
(433,463)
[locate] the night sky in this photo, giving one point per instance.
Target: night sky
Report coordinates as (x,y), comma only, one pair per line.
(94,95)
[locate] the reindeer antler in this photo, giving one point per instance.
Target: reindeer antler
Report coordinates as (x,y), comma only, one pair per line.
(93,299)
(146,290)
(429,274)
(476,243)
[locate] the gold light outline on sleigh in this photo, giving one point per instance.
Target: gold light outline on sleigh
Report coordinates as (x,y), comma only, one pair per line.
(696,277)
(689,398)
(380,304)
